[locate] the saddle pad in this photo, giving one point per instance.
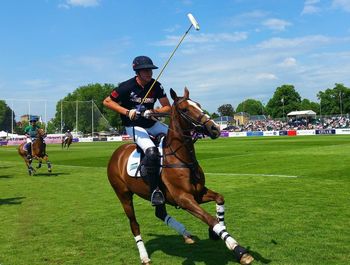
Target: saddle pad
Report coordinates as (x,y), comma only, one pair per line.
(135,159)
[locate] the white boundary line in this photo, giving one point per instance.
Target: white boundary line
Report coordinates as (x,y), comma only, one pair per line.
(205,173)
(254,175)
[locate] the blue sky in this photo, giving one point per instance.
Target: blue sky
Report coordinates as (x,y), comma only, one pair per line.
(244,49)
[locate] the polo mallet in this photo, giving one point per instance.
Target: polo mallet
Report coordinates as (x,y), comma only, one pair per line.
(194,24)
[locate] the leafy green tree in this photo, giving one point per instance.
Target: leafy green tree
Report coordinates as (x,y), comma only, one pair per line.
(335,100)
(226,110)
(309,105)
(284,100)
(6,117)
(251,106)
(214,115)
(94,93)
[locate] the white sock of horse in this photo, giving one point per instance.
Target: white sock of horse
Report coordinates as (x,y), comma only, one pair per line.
(220,230)
(220,214)
(177,226)
(142,250)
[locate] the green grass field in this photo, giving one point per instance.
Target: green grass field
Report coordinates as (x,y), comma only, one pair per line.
(287,200)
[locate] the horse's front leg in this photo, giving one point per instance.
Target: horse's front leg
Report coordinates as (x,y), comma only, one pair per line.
(128,206)
(30,168)
(48,163)
(209,196)
(189,204)
(170,221)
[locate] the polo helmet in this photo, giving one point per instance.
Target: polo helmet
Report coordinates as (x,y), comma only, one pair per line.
(143,62)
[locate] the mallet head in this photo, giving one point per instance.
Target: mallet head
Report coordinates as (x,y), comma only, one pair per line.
(193,21)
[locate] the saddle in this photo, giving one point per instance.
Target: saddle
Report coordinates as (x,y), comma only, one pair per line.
(136,156)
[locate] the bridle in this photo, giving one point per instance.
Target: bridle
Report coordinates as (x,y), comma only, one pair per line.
(197,123)
(197,126)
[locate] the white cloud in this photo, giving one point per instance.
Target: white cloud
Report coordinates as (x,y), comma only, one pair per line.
(289,62)
(266,76)
(247,18)
(205,38)
(37,83)
(310,7)
(276,24)
(342,4)
(79,3)
(303,42)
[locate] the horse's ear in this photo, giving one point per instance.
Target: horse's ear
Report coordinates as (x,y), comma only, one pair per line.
(187,93)
(173,94)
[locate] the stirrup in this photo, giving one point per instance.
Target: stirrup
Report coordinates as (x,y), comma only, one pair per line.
(157,197)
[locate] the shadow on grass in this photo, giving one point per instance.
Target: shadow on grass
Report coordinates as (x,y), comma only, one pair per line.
(5,176)
(208,251)
(47,174)
(11,201)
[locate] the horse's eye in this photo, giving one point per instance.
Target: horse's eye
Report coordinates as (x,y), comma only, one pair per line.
(185,110)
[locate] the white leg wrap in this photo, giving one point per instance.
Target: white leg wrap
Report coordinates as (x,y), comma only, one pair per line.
(142,250)
(221,232)
(220,214)
(177,226)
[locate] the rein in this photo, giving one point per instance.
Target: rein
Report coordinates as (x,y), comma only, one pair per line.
(189,136)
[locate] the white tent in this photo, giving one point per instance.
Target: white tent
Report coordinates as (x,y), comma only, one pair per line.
(4,134)
(302,113)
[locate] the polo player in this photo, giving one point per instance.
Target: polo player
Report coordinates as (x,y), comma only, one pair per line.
(31,132)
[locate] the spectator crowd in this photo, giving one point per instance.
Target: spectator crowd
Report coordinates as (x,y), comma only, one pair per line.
(336,122)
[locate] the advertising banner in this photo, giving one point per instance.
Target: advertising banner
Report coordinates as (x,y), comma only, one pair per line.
(224,134)
(237,134)
(114,139)
(256,133)
(306,132)
(342,131)
(271,133)
(283,133)
(292,133)
(325,131)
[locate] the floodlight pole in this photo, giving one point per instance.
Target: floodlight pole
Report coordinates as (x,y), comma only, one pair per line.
(61,116)
(12,117)
(76,116)
(92,118)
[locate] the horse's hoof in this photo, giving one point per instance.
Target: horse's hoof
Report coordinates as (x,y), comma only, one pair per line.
(212,234)
(146,261)
(189,240)
(242,255)
(246,259)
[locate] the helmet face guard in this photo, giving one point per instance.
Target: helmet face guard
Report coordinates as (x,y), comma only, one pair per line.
(143,62)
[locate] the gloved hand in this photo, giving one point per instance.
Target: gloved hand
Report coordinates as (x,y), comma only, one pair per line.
(148,114)
(132,114)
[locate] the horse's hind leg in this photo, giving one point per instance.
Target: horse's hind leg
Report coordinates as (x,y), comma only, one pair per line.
(162,214)
(128,206)
(49,165)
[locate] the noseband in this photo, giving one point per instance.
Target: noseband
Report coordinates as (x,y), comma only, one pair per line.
(197,125)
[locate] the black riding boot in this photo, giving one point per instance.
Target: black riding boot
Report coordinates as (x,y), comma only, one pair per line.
(150,169)
(29,151)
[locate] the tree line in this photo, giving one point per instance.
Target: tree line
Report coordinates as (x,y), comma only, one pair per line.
(285,99)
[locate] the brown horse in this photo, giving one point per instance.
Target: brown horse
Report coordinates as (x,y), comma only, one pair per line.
(67,141)
(38,152)
(183,181)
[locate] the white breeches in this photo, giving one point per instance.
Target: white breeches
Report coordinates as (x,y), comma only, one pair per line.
(29,140)
(141,136)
